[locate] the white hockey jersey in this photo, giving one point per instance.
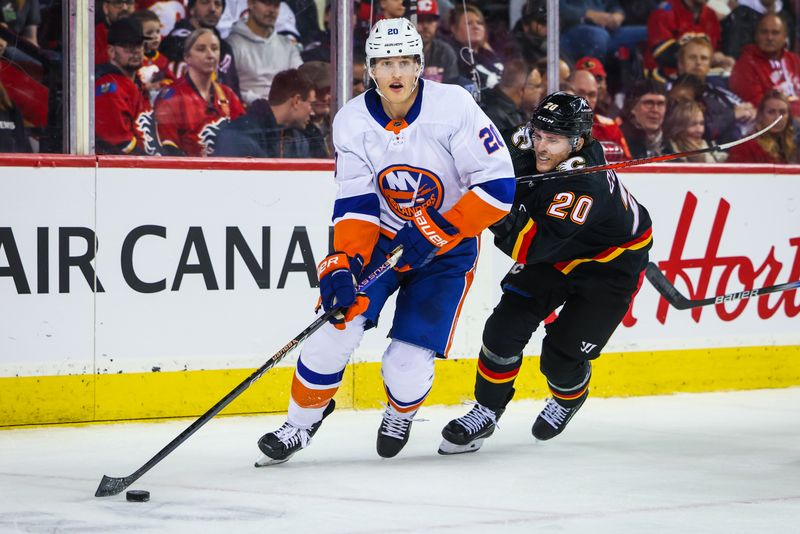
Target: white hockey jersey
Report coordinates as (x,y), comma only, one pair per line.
(445,155)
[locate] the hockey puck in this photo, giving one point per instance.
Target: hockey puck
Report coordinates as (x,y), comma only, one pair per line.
(138,495)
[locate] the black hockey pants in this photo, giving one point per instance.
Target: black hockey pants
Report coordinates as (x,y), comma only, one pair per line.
(595,299)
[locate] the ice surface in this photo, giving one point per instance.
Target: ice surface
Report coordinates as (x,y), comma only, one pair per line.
(700,463)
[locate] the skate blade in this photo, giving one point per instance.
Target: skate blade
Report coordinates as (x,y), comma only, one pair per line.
(265,461)
(447,448)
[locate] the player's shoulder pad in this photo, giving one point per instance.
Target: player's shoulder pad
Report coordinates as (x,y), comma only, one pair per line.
(519,137)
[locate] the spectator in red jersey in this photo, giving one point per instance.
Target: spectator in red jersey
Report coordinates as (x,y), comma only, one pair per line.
(778,144)
(643,115)
(673,22)
(123,116)
(684,128)
(202,14)
(155,72)
(191,112)
(767,64)
(604,129)
(441,64)
(113,10)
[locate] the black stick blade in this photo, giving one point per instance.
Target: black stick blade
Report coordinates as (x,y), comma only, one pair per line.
(667,290)
(111,486)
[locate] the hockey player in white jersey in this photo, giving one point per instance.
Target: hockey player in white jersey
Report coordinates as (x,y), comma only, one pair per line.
(418,164)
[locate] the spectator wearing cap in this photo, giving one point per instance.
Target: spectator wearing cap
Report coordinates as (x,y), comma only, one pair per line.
(739,28)
(318,131)
(155,72)
(503,102)
(113,10)
(191,112)
(272,128)
(470,39)
(605,129)
(643,116)
(530,33)
(767,65)
(124,121)
(202,14)
(441,64)
(726,116)
(673,23)
(605,101)
(259,51)
(594,28)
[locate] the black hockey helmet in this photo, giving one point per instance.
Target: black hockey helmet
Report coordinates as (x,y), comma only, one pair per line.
(563,113)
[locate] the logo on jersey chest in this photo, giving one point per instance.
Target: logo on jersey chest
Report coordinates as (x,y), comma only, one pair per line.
(408,189)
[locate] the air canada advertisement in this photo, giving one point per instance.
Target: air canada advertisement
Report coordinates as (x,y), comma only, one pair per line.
(119,270)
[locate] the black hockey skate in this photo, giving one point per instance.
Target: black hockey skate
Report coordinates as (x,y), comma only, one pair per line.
(280,445)
(554,418)
(393,432)
(467,433)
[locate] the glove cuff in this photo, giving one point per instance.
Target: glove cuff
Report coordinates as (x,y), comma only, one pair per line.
(435,228)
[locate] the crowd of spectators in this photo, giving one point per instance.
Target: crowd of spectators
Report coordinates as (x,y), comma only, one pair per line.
(252,78)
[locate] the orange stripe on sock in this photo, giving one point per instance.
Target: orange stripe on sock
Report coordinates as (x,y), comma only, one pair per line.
(570,396)
(311,398)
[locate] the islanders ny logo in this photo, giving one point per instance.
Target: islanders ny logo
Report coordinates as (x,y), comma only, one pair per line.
(408,189)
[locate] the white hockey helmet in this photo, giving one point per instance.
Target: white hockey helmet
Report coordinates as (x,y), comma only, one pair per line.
(391,38)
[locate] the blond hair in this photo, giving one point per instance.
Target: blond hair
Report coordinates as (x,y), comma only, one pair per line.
(781,146)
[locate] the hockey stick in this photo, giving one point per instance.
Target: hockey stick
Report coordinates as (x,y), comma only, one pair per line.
(677,300)
(114,485)
(536,178)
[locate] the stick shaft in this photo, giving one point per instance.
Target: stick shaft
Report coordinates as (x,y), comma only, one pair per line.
(112,486)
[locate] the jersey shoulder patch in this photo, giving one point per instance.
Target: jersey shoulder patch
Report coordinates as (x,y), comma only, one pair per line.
(105,88)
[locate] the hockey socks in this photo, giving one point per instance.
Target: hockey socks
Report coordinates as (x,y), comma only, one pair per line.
(561,407)
(494,381)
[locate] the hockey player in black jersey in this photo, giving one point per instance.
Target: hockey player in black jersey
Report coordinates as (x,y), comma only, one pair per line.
(580,242)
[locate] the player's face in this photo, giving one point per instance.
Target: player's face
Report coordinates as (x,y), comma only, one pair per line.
(695,59)
(207,13)
(115,10)
(550,149)
(395,77)
(264,13)
(203,56)
(152,35)
(773,109)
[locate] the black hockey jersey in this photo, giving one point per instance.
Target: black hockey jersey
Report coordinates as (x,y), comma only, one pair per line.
(568,222)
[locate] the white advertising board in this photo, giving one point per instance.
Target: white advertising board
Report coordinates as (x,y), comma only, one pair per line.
(214,269)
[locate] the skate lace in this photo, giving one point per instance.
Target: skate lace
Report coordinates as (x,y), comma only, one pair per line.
(291,436)
(476,418)
(395,425)
(554,413)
